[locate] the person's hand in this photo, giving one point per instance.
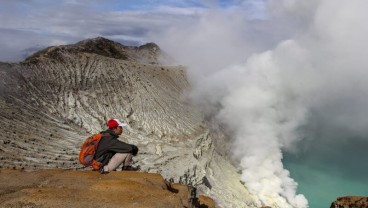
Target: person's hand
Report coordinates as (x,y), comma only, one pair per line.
(134,150)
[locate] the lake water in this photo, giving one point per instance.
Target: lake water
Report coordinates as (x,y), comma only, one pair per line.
(325,170)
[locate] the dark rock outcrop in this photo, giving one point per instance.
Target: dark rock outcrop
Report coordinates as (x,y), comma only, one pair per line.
(350,202)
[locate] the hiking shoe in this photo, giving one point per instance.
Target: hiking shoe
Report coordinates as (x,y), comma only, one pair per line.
(102,171)
(130,168)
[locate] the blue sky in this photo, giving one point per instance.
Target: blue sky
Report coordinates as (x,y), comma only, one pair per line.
(26,26)
(148,4)
(153,4)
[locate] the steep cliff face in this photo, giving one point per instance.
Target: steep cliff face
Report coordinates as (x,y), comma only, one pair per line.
(78,91)
(56,98)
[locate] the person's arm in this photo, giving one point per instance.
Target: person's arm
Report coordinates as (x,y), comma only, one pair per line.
(121,147)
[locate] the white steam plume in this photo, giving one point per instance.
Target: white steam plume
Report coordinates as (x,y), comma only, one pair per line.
(264,112)
(316,64)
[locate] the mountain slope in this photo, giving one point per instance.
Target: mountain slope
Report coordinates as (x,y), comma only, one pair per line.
(51,102)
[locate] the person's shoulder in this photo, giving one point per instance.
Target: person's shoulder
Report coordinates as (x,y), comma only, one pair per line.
(109,133)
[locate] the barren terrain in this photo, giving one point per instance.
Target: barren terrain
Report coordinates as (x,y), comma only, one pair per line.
(63,188)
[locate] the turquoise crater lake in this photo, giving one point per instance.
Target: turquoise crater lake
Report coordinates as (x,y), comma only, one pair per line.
(326,170)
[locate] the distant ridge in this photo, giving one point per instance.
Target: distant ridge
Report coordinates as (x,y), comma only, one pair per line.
(149,53)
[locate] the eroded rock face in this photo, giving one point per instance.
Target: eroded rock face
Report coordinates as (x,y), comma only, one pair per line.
(350,202)
(55,99)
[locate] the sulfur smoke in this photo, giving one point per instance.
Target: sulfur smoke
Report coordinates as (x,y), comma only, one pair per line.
(265,78)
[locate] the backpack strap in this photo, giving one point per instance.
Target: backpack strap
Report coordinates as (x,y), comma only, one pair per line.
(97,163)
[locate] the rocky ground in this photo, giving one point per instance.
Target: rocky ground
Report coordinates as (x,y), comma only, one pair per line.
(65,188)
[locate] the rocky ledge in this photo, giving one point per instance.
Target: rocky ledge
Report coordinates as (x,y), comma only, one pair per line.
(350,202)
(68,188)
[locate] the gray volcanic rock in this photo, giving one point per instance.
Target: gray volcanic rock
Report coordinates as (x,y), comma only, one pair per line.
(55,99)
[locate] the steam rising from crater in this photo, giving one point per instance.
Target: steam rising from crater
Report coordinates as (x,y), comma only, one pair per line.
(300,65)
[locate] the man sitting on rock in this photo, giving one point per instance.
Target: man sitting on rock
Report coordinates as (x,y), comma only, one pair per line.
(112,152)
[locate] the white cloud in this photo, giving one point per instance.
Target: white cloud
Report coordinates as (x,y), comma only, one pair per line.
(71,21)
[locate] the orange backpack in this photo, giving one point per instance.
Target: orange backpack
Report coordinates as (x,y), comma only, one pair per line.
(88,151)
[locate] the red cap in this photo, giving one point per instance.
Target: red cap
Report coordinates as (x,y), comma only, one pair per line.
(115,123)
